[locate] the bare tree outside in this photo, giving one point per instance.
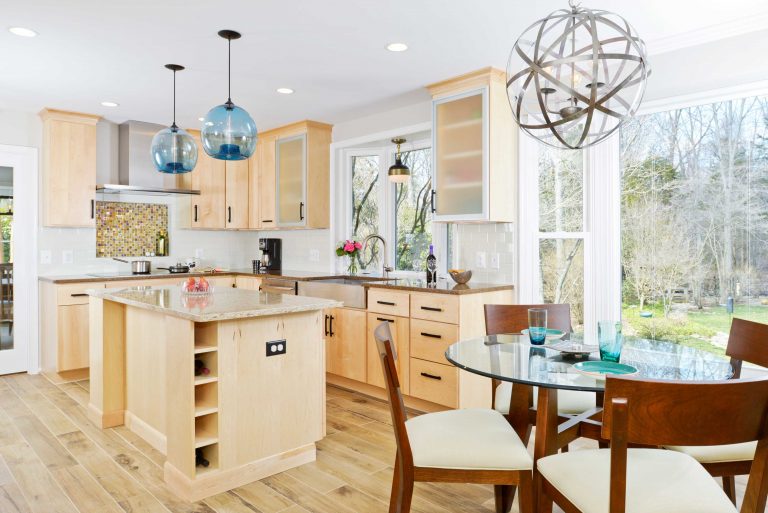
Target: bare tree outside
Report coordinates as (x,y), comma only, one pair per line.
(365,204)
(413,215)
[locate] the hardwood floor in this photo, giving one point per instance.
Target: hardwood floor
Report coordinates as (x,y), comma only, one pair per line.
(53,460)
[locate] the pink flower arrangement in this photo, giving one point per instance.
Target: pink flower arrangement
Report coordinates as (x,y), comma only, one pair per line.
(348,248)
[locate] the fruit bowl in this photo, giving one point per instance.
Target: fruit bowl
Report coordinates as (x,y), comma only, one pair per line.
(196,287)
(460,276)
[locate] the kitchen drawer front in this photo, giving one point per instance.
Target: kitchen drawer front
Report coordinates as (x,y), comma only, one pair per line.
(435,307)
(430,339)
(388,302)
(435,382)
(74,293)
(144,282)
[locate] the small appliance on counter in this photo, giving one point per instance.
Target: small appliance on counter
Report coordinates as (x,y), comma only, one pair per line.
(271,254)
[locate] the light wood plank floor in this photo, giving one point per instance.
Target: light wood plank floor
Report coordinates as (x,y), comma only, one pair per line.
(53,460)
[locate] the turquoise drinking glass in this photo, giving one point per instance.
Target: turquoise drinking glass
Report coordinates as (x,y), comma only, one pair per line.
(610,340)
(537,325)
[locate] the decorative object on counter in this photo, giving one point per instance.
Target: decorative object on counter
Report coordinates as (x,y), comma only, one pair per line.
(228,131)
(431,267)
(256,266)
(200,461)
(460,276)
(574,77)
(398,172)
(174,151)
(196,287)
(350,248)
(137,266)
(201,369)
(128,229)
(161,248)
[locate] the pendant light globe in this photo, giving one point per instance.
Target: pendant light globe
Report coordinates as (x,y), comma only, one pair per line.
(228,131)
(173,150)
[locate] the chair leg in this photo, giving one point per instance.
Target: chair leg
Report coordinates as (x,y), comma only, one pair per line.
(526,493)
(406,494)
(397,484)
(503,496)
(543,501)
(729,487)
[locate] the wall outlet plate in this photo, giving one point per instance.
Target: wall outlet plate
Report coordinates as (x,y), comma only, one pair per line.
(276,347)
(495,260)
(45,256)
(199,253)
(67,256)
(314,255)
(480,259)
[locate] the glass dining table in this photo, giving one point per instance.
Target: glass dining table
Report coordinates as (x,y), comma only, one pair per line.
(513,359)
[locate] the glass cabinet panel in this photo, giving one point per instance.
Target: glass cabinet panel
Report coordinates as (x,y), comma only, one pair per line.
(460,158)
(291,167)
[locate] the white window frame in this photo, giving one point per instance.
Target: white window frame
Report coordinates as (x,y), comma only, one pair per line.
(386,199)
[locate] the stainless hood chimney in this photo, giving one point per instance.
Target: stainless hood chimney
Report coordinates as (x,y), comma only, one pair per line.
(136,172)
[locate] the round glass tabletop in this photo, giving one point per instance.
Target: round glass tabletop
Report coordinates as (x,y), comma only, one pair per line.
(512,358)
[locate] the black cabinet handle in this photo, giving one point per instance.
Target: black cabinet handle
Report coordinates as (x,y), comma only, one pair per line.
(301,211)
(431,376)
(79,295)
(195,213)
(430,335)
(330,327)
(432,200)
(388,303)
(382,319)
(93,209)
(229,214)
(431,309)
(325,326)
(267,221)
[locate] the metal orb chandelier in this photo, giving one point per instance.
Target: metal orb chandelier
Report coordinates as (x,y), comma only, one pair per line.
(575,76)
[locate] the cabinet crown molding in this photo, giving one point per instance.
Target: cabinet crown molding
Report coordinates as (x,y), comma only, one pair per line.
(65,115)
(471,80)
(296,127)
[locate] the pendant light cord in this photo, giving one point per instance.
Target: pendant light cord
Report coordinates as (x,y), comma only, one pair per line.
(229,71)
(174,100)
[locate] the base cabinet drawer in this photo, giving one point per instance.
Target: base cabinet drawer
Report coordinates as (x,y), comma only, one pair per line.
(72,342)
(430,339)
(388,302)
(74,293)
(435,382)
(435,307)
(398,326)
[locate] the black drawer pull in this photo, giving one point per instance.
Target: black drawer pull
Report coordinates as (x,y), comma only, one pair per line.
(431,309)
(330,326)
(388,303)
(326,325)
(267,221)
(93,209)
(430,335)
(431,376)
(382,319)
(81,294)
(195,214)
(229,214)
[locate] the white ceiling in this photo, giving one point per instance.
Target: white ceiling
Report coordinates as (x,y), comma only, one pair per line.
(330,51)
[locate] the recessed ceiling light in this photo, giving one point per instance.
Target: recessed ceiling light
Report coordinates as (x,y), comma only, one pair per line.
(110,104)
(23,32)
(201,119)
(397,47)
(285,90)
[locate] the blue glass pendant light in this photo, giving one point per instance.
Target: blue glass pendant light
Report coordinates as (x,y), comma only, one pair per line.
(173,150)
(228,132)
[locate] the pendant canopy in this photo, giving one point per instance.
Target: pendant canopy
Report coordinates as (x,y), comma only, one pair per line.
(174,151)
(228,132)
(398,172)
(574,77)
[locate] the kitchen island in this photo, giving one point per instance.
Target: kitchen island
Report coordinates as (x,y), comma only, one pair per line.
(229,386)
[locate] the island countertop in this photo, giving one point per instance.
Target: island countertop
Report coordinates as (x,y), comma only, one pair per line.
(220,305)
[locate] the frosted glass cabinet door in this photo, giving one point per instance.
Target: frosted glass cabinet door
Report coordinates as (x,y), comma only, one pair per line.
(461,172)
(291,173)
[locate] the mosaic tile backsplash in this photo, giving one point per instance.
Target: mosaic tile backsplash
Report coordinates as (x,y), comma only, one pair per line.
(128,229)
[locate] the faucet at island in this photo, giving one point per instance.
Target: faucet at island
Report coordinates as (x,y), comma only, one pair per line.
(385,269)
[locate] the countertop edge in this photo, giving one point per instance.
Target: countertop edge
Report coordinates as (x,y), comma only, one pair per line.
(456,292)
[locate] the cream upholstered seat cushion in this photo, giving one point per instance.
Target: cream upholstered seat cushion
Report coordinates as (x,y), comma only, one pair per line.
(568,401)
(472,438)
(719,453)
(658,481)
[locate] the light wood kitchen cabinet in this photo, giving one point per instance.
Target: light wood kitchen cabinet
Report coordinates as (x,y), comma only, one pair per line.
(72,323)
(261,210)
(399,327)
(475,147)
(208,210)
(68,168)
(236,193)
(247,282)
(345,343)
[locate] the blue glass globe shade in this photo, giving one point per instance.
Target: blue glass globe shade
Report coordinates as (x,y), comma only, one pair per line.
(174,151)
(228,133)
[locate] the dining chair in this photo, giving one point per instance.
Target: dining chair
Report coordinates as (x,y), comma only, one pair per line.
(472,445)
(654,480)
(514,319)
(747,342)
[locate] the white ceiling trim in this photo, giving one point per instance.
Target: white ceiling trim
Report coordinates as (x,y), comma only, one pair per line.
(714,95)
(709,34)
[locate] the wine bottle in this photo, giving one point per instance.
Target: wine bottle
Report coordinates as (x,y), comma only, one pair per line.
(431,267)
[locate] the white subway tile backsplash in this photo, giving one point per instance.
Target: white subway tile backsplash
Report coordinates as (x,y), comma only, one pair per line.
(487,238)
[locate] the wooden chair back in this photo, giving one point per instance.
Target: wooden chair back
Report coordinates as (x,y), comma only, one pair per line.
(514,318)
(388,356)
(747,342)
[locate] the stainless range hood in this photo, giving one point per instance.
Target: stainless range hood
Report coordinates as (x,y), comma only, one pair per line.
(136,172)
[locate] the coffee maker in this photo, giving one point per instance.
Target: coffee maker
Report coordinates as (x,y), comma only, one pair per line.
(271,253)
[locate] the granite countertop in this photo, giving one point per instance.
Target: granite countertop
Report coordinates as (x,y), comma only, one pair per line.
(119,276)
(221,305)
(442,286)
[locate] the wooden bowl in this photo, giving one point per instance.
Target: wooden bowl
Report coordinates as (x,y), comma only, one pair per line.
(461,277)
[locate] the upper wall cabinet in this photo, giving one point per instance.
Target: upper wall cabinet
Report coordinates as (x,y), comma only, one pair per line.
(292,182)
(69,168)
(475,146)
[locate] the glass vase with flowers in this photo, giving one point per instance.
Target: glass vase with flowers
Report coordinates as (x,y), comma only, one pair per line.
(350,248)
